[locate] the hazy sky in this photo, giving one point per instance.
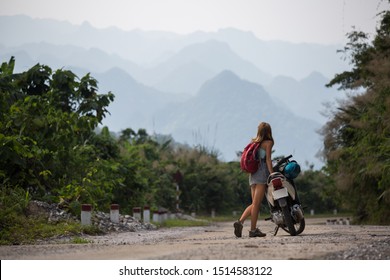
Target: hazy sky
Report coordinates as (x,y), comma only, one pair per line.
(321,21)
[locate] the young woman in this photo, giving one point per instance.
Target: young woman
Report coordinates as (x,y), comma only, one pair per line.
(258,181)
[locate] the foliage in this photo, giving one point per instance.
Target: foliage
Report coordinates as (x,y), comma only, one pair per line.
(52,149)
(357,139)
(208,184)
(46,121)
(18,227)
(316,191)
(26,230)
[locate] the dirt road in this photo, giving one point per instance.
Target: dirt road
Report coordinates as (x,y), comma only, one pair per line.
(318,241)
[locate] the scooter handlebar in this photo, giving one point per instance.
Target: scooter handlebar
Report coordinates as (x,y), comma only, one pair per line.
(280,162)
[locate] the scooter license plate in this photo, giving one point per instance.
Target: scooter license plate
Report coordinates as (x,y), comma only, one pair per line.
(280,193)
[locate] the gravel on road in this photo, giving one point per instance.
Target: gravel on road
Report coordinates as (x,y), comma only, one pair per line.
(320,240)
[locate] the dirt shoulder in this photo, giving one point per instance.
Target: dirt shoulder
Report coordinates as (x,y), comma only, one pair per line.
(217,241)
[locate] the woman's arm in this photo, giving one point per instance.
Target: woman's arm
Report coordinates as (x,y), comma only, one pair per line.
(268,150)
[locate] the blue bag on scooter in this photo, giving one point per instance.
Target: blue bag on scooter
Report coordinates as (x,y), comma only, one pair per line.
(292,170)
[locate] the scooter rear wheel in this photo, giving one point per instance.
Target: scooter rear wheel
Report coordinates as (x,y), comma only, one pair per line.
(301,226)
(288,221)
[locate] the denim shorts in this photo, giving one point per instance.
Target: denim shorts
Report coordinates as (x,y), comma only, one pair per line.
(260,176)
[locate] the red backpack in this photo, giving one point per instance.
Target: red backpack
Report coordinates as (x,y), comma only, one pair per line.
(249,163)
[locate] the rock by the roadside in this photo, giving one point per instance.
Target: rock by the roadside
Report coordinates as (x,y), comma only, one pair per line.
(54,214)
(126,223)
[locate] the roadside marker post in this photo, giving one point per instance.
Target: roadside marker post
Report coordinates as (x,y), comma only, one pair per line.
(146,214)
(86,214)
(114,213)
(137,213)
(156,217)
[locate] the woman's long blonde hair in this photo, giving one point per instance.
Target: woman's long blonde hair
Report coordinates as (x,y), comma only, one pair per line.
(264,132)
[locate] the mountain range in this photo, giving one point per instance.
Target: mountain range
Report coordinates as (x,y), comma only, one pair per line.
(202,88)
(226,112)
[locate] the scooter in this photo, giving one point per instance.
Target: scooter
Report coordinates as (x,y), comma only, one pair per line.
(282,196)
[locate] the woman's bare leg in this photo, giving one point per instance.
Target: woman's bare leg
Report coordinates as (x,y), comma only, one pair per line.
(258,192)
(246,213)
(248,210)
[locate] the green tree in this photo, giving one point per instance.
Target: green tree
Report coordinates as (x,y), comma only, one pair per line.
(46,122)
(209,184)
(316,191)
(357,139)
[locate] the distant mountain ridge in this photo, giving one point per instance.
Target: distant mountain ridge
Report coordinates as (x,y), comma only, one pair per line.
(308,97)
(134,103)
(213,57)
(144,48)
(225,114)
